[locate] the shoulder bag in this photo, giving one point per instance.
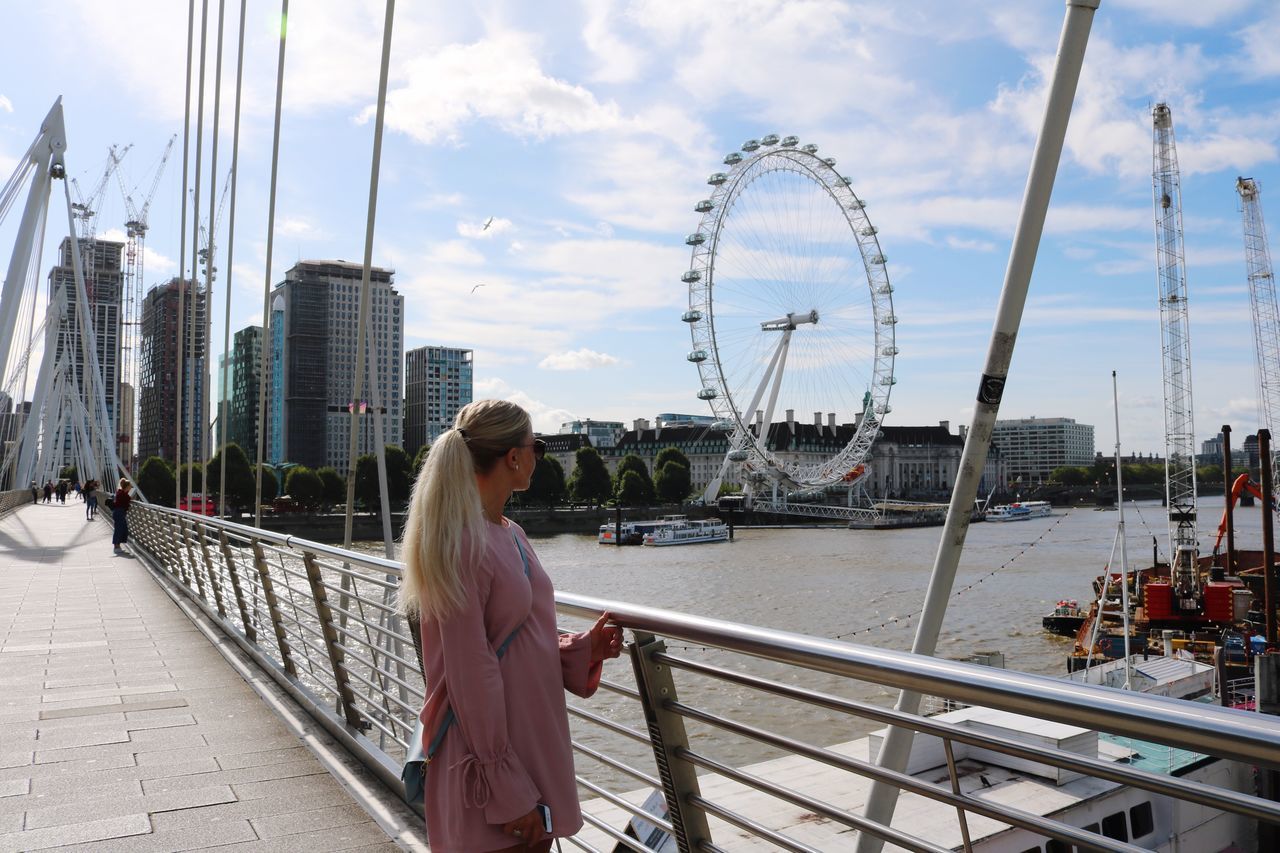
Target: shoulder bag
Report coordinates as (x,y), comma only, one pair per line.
(414,772)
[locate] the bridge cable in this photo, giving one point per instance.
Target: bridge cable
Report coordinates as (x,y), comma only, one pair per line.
(231,237)
(192,312)
(182,254)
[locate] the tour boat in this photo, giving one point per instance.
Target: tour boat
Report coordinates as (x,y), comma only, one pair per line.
(1020,511)
(682,531)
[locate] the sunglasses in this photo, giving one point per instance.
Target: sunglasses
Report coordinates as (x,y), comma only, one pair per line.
(539,448)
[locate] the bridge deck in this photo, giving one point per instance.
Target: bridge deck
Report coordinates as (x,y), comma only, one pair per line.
(122,722)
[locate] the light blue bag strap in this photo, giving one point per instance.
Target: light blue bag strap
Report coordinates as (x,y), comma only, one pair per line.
(449,717)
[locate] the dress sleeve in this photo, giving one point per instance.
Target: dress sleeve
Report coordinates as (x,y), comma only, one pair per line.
(493,777)
(581,676)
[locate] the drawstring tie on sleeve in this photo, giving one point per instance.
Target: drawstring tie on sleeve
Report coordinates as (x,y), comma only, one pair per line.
(475,786)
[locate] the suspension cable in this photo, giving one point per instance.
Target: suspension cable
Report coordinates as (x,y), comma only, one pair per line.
(231,232)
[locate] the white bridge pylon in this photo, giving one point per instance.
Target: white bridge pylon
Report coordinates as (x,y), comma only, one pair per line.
(68,420)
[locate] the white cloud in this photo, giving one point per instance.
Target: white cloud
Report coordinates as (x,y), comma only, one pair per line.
(583,359)
(484,229)
(546,418)
(1193,13)
(618,61)
(499,79)
(971,245)
(454,252)
(296,226)
(1259,40)
(6,104)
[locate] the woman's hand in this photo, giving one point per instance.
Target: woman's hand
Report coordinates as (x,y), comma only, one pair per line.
(527,829)
(606,640)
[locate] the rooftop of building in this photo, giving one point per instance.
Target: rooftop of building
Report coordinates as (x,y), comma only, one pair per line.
(335,269)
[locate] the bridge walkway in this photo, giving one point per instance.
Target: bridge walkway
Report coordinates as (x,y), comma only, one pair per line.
(128,722)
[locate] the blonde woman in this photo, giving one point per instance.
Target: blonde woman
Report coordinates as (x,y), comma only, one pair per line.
(496,669)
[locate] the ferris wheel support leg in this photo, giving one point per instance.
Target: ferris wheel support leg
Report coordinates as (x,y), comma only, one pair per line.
(896,748)
(781,359)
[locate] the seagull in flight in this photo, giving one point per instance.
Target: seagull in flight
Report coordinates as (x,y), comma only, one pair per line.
(487,223)
(477,287)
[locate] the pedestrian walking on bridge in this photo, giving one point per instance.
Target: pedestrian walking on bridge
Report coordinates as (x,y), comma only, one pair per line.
(90,492)
(120,516)
(35,492)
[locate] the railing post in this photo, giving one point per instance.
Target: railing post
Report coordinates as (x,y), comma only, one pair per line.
(667,735)
(273,607)
(230,559)
(202,535)
(346,698)
(194,567)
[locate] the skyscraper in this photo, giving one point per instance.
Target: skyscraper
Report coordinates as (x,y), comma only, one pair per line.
(103,287)
(313,364)
(245,368)
(438,382)
(158,372)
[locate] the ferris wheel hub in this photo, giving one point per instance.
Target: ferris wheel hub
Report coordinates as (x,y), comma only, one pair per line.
(789,322)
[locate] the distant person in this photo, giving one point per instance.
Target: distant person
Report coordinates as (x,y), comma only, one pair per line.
(48,491)
(90,492)
(478,592)
(62,491)
(119,515)
(35,492)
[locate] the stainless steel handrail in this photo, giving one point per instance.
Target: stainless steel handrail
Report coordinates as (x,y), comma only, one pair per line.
(326,629)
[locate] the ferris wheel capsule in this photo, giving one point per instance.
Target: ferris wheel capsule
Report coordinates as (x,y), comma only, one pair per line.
(732,159)
(695,239)
(704,206)
(769,139)
(790,141)
(751,145)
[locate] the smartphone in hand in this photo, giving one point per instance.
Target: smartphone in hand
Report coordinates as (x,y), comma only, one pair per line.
(545,811)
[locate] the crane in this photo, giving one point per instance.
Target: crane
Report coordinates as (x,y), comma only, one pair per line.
(85,209)
(1262,299)
(209,236)
(135,228)
(1179,428)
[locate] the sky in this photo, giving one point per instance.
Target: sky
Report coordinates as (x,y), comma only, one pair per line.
(586,132)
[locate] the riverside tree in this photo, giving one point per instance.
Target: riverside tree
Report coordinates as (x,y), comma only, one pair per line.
(155,479)
(399,478)
(304,486)
(672,482)
(547,486)
(590,482)
(335,487)
(640,494)
(270,485)
(239,476)
(672,486)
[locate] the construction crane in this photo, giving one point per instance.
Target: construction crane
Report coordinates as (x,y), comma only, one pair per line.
(85,209)
(1262,299)
(209,235)
(135,229)
(1179,429)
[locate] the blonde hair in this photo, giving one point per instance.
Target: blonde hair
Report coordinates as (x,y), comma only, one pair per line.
(124,482)
(445,506)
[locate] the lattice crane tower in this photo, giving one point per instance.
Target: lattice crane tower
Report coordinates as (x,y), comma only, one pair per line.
(1179,428)
(1262,299)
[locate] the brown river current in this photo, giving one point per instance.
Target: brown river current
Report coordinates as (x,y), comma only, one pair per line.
(864,586)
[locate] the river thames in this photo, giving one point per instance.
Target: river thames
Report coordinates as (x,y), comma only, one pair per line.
(863,586)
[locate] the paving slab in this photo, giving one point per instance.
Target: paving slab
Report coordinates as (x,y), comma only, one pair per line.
(128,723)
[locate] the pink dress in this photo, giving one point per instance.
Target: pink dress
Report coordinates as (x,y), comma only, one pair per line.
(509,748)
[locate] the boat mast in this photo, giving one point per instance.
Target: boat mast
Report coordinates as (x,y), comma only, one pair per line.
(1124,553)
(1180,460)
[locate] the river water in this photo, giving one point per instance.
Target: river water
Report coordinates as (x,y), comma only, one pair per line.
(864,586)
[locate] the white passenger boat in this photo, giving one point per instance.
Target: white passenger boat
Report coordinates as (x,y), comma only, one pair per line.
(632,532)
(682,531)
(1020,511)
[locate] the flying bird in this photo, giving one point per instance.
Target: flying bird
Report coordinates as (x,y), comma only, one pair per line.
(477,287)
(487,223)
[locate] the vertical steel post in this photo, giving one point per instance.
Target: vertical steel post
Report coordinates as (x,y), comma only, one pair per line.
(896,748)
(667,735)
(273,607)
(1229,509)
(1268,536)
(214,585)
(232,571)
(337,659)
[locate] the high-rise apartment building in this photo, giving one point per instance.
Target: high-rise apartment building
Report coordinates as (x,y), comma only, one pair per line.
(158,417)
(313,363)
(244,370)
(103,281)
(1033,447)
(601,434)
(438,382)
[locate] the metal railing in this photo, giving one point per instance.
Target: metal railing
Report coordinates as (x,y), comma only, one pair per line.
(13,499)
(322,622)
